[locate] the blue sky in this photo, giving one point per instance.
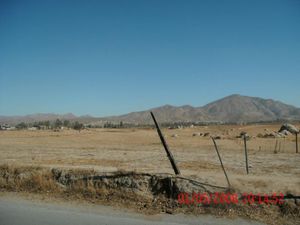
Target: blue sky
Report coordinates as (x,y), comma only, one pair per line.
(113,57)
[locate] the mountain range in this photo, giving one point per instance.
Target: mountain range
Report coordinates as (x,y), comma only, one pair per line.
(231,109)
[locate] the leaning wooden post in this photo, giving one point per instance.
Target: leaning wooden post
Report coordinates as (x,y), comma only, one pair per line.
(296,142)
(246,153)
(164,143)
(216,147)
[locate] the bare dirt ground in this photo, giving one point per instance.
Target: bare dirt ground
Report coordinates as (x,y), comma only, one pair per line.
(140,150)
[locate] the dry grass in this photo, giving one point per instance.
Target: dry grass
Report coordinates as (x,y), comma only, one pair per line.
(30,179)
(109,150)
(43,181)
(29,155)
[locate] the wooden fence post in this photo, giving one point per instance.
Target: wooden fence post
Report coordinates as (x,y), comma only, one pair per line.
(246,153)
(216,147)
(164,143)
(296,142)
(276,143)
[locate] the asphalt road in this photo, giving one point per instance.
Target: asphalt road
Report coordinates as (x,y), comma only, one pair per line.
(18,211)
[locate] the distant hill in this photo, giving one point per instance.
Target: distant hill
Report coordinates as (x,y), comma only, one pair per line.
(166,113)
(233,108)
(250,109)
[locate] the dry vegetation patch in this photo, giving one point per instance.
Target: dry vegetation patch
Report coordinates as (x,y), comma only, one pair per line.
(90,163)
(147,193)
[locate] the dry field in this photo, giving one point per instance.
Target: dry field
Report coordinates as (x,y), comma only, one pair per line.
(140,150)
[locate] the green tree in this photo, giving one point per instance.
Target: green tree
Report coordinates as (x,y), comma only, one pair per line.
(47,124)
(66,123)
(58,123)
(77,126)
(21,125)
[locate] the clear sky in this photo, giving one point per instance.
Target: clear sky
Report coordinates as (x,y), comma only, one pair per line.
(113,57)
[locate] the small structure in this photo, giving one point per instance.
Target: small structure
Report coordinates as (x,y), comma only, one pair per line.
(288,127)
(292,129)
(6,127)
(32,128)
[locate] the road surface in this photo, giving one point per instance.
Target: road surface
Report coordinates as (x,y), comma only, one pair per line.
(18,211)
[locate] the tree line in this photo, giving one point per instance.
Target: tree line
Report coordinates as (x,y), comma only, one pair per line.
(57,124)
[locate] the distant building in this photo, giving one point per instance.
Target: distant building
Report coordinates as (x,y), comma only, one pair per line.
(32,128)
(5,127)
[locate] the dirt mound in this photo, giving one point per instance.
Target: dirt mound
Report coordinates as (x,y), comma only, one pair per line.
(140,183)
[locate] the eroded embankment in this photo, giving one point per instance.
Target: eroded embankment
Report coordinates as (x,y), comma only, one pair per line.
(149,193)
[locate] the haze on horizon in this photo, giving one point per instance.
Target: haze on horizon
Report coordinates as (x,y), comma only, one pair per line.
(113,57)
